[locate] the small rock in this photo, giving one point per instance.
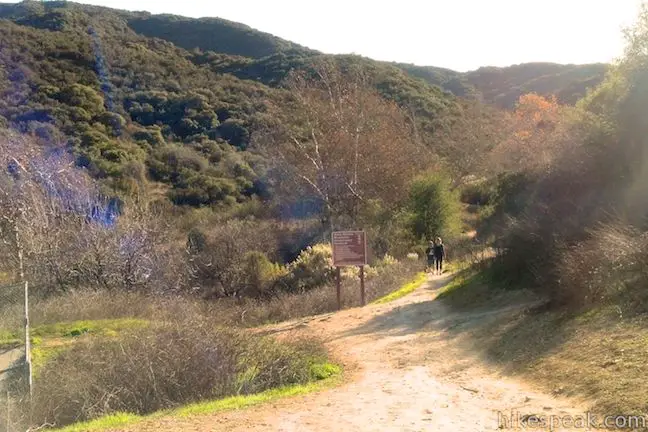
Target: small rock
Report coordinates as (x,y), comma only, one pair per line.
(547,408)
(527,399)
(444,406)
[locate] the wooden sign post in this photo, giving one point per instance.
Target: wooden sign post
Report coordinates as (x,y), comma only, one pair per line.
(349,249)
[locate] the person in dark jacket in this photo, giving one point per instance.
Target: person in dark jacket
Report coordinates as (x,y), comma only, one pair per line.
(429,253)
(439,255)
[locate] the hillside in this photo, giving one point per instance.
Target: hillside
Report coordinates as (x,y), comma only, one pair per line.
(504,86)
(175,101)
(274,56)
(167,216)
(249,54)
(136,108)
(212,34)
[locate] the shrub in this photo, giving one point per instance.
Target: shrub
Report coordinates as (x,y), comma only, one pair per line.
(260,275)
(613,261)
(481,192)
(386,261)
(353,273)
(387,230)
(292,305)
(434,208)
(163,367)
(313,268)
(217,258)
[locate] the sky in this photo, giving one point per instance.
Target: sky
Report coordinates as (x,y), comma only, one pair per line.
(457,34)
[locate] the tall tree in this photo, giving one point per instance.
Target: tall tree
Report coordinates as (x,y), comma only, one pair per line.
(346,145)
(539,131)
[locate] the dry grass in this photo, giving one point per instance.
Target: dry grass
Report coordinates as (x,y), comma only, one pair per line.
(323,300)
(102,305)
(472,288)
(166,366)
(596,355)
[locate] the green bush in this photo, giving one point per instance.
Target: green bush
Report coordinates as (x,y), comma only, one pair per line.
(313,268)
(387,230)
(434,208)
(483,192)
(260,275)
(152,135)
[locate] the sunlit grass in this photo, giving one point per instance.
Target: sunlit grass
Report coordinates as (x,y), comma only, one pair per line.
(39,334)
(406,289)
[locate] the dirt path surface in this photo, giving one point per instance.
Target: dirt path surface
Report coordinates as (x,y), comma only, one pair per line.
(7,359)
(411,367)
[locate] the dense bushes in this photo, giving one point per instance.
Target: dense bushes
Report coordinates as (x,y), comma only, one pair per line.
(234,260)
(220,258)
(382,278)
(610,266)
(164,366)
(574,219)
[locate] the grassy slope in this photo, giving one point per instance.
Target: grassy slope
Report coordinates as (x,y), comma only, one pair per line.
(598,355)
(49,340)
(231,403)
(72,329)
(332,376)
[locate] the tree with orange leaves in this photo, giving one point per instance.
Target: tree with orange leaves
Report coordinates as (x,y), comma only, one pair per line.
(537,133)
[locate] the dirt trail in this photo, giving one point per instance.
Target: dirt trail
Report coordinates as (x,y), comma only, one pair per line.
(410,370)
(8,357)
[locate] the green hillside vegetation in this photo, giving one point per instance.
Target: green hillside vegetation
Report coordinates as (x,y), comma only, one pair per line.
(212,34)
(134,107)
(503,86)
(249,54)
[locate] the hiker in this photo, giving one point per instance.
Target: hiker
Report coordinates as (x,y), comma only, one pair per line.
(429,252)
(439,255)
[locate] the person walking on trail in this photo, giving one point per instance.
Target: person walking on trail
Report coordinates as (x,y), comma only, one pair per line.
(429,252)
(439,255)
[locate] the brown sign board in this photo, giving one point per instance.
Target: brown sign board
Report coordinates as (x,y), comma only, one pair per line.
(349,248)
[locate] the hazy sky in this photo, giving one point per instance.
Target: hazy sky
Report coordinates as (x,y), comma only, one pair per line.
(457,34)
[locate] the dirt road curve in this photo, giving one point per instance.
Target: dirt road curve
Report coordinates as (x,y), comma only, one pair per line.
(410,370)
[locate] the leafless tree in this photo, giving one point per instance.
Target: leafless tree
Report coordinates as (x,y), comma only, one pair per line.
(53,216)
(347,145)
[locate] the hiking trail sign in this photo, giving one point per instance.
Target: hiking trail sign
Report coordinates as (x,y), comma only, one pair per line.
(349,248)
